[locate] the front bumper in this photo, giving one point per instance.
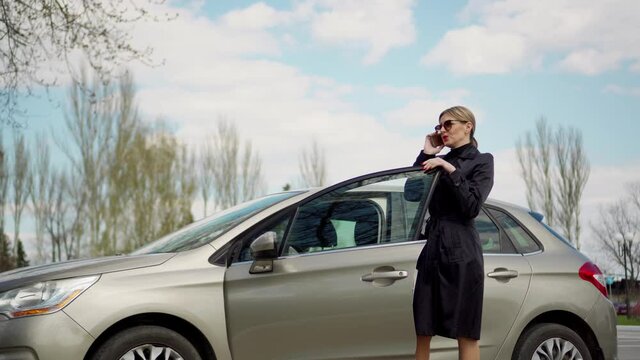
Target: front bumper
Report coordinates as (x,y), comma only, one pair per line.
(45,337)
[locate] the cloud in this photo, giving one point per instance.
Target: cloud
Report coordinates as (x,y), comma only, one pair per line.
(476,50)
(588,36)
(219,69)
(378,25)
(422,108)
(621,90)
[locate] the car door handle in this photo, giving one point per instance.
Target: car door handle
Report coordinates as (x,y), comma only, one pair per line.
(390,275)
(502,273)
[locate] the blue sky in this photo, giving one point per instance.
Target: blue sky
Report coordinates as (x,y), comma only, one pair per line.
(367,79)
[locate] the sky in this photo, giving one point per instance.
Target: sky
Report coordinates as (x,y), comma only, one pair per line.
(367,80)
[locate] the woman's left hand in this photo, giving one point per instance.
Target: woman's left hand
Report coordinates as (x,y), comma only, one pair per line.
(435,162)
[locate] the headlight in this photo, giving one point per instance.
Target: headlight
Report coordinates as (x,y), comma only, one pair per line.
(43,297)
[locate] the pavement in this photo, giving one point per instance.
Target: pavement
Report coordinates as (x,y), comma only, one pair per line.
(628,342)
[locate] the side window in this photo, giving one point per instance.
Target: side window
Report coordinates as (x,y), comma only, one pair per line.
(489,233)
(279,228)
(363,213)
(521,239)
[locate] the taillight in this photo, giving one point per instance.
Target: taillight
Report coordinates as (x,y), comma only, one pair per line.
(591,273)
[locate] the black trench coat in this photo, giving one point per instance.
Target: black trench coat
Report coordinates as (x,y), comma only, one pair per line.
(447,300)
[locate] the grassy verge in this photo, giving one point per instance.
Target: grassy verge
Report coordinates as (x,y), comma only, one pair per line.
(623,320)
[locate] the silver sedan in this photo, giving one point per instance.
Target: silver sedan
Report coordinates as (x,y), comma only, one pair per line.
(316,274)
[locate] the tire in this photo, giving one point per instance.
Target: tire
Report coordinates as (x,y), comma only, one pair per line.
(548,341)
(147,343)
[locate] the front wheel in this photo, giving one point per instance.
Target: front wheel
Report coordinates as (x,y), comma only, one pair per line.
(147,342)
(551,342)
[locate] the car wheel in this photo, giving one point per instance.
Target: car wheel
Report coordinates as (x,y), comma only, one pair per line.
(551,342)
(147,343)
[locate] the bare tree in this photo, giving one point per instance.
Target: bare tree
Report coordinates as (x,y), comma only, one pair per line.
(6,261)
(205,171)
(39,40)
(64,217)
(312,166)
(535,160)
(39,187)
(21,184)
(555,171)
(89,122)
(572,176)
(236,177)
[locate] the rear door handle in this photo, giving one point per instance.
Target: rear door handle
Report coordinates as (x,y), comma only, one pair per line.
(502,273)
(387,275)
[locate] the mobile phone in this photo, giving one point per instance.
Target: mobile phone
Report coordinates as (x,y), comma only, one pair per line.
(435,139)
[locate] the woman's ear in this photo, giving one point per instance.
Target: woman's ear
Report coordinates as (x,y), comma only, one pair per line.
(468,127)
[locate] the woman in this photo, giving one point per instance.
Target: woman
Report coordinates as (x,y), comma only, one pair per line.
(448,294)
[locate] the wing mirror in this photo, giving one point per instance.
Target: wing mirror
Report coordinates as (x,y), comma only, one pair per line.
(264,250)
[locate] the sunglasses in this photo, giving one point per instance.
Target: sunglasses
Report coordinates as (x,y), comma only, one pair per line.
(448,124)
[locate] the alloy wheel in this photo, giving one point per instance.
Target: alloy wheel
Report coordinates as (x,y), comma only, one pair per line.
(557,349)
(151,352)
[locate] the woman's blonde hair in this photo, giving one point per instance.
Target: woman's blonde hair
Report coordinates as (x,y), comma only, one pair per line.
(463,114)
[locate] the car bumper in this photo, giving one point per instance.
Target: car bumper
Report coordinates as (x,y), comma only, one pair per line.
(45,337)
(603,322)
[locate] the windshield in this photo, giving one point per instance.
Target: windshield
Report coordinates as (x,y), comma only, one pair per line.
(210,228)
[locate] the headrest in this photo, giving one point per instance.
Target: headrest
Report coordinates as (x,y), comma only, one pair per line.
(414,189)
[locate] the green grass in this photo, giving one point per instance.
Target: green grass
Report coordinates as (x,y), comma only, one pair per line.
(623,320)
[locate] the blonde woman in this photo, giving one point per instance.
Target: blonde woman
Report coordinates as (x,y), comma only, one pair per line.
(449,287)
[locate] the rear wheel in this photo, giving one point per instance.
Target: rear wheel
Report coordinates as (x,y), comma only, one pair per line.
(551,342)
(147,343)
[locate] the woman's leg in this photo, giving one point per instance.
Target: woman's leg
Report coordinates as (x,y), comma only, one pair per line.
(469,349)
(423,344)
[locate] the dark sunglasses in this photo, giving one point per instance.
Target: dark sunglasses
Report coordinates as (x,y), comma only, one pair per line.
(448,124)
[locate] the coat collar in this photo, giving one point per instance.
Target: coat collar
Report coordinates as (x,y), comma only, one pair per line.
(469,152)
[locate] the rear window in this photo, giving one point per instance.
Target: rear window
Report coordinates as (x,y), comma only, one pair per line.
(519,236)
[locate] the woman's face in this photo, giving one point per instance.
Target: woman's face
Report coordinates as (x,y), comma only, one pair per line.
(454,132)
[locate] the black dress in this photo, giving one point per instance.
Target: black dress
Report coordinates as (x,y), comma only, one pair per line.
(447,300)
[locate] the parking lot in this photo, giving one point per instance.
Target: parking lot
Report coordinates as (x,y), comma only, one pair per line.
(628,342)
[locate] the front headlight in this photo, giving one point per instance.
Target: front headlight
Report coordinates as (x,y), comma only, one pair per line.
(43,297)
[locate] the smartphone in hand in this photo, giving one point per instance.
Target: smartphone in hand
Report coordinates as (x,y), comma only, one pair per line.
(435,139)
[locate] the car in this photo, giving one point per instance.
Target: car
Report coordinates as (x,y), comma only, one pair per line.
(323,273)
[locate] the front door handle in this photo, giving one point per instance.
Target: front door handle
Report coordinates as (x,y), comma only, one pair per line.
(503,274)
(385,275)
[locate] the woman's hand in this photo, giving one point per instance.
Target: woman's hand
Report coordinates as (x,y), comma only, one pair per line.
(435,162)
(429,141)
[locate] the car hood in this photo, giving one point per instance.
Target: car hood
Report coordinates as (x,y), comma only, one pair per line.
(62,270)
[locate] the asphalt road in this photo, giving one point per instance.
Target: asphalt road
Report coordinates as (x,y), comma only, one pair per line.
(628,342)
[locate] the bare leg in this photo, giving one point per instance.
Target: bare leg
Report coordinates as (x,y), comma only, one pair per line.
(423,345)
(469,349)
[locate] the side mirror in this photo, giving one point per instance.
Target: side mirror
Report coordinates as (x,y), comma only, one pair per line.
(264,250)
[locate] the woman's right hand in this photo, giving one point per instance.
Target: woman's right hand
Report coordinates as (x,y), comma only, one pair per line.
(429,147)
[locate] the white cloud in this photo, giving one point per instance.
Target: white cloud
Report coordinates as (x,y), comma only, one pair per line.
(422,108)
(622,90)
(211,73)
(377,24)
(477,50)
(590,36)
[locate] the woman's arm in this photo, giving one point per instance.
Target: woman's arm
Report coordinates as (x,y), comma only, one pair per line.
(472,192)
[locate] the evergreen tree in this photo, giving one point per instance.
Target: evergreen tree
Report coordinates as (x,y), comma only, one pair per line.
(21,257)
(6,262)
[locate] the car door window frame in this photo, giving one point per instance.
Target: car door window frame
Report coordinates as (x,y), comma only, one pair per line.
(233,248)
(513,218)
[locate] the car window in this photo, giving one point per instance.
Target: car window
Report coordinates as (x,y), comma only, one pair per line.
(488,232)
(367,212)
(521,239)
(279,228)
(210,228)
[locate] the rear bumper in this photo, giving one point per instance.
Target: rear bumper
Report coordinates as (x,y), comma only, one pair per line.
(45,337)
(602,320)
